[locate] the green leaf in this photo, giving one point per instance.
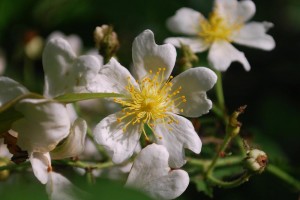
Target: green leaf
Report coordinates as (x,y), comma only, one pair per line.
(203,186)
(74,97)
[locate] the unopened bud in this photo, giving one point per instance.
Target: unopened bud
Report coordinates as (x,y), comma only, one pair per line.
(187,58)
(106,41)
(256,160)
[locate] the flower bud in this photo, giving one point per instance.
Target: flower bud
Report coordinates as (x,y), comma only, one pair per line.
(256,160)
(187,58)
(106,41)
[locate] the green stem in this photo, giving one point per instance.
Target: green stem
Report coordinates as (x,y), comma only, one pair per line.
(205,163)
(224,145)
(219,93)
(89,176)
(284,176)
(15,167)
(84,165)
(229,184)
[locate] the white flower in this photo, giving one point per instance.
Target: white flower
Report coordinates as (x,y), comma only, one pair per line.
(151,173)
(65,72)
(227,23)
(44,125)
(155,99)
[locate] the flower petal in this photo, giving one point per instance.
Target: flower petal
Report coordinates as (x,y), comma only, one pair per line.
(74,144)
(185,21)
(44,125)
(170,186)
(222,54)
(195,82)
(235,11)
(10,89)
(40,163)
(154,160)
(64,72)
(254,35)
(112,77)
(175,137)
(58,187)
(119,144)
(147,55)
(196,44)
(73,40)
(151,173)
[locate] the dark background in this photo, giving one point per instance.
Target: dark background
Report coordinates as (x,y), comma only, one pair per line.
(270,89)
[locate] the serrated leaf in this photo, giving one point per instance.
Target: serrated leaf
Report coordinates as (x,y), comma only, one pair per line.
(203,186)
(74,97)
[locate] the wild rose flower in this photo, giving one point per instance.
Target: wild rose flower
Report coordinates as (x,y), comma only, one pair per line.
(228,23)
(154,99)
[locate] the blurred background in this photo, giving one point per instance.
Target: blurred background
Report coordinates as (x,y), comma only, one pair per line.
(270,89)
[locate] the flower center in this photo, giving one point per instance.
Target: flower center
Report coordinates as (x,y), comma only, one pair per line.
(150,103)
(217,28)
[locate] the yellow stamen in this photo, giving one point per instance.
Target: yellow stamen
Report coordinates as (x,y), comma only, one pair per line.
(217,27)
(150,103)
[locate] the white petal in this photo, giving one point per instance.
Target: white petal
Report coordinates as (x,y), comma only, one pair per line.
(185,21)
(84,73)
(151,173)
(40,163)
(74,144)
(147,55)
(64,72)
(71,112)
(254,35)
(119,144)
(58,188)
(170,186)
(153,159)
(235,11)
(196,44)
(222,54)
(176,137)
(43,126)
(10,89)
(112,77)
(195,82)
(73,40)
(58,57)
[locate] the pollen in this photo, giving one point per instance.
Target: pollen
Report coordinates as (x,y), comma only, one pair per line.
(217,27)
(151,102)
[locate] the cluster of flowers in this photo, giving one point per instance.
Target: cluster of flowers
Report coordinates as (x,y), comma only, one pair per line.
(153,102)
